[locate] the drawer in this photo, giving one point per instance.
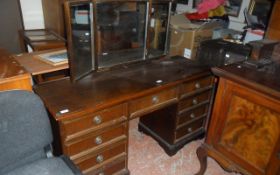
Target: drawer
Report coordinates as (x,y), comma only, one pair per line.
(190,128)
(193,114)
(195,101)
(100,139)
(196,85)
(116,167)
(94,121)
(148,103)
(93,161)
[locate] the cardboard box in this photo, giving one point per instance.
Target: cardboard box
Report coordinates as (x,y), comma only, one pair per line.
(186,36)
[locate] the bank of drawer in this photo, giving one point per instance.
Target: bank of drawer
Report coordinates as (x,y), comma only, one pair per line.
(151,101)
(114,168)
(195,100)
(95,120)
(189,128)
(196,85)
(91,141)
(193,114)
(93,161)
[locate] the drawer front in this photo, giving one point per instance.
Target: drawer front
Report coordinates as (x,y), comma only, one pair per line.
(112,168)
(149,102)
(190,128)
(196,85)
(95,121)
(94,161)
(192,114)
(91,141)
(195,101)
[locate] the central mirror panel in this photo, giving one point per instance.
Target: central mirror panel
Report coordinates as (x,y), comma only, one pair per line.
(121,32)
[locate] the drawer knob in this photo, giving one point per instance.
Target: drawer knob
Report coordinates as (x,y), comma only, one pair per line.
(192,115)
(101,173)
(190,130)
(155,99)
(99,159)
(197,85)
(98,140)
(97,119)
(194,101)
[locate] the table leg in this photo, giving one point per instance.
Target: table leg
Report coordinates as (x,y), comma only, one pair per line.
(202,157)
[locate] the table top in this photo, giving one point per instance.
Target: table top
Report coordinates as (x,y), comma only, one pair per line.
(9,67)
(99,90)
(36,66)
(265,79)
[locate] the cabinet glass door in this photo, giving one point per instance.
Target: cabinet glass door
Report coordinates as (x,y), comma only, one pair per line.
(121,32)
(80,38)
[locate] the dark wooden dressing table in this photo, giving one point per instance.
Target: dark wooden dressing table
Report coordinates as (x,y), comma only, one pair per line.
(172,96)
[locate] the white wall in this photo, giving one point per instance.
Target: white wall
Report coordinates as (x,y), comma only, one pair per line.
(32,13)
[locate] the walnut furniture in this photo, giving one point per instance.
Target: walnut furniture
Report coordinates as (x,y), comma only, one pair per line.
(12,74)
(171,96)
(244,131)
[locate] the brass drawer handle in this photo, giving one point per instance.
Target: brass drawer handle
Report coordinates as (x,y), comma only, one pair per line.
(192,115)
(190,130)
(194,101)
(97,119)
(197,85)
(98,140)
(155,99)
(99,159)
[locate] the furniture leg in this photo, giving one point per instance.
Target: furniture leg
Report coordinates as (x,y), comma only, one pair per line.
(202,157)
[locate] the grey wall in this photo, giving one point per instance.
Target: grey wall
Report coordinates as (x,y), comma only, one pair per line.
(10,23)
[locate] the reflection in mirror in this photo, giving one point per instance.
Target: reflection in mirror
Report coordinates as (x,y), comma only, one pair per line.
(81,60)
(120,32)
(158,29)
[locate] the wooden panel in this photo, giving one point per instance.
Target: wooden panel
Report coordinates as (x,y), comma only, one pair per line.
(192,114)
(197,85)
(116,167)
(252,131)
(195,100)
(96,140)
(190,128)
(273,30)
(147,103)
(54,15)
(92,122)
(93,161)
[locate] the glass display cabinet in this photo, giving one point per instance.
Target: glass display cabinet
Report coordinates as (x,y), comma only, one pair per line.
(106,33)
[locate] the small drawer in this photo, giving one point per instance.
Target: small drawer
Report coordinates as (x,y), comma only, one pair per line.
(111,168)
(190,115)
(144,104)
(93,161)
(90,141)
(95,120)
(196,85)
(189,128)
(195,100)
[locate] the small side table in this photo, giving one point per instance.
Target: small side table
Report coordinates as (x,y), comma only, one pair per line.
(40,39)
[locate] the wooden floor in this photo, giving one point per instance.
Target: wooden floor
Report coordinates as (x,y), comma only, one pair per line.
(146,157)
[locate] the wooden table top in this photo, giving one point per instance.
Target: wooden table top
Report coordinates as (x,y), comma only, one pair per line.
(265,79)
(99,90)
(35,66)
(9,67)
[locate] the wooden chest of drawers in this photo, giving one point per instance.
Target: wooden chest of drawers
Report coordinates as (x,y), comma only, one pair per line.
(184,120)
(97,142)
